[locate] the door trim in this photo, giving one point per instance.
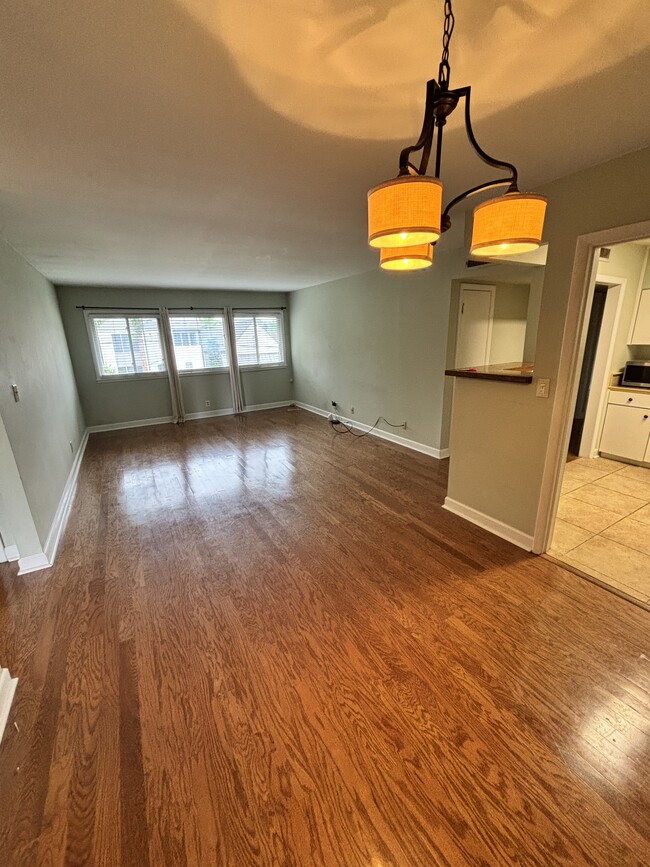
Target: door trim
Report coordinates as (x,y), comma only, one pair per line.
(583,279)
(597,401)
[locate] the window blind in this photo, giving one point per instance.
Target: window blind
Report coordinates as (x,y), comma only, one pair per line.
(199,342)
(259,338)
(127,345)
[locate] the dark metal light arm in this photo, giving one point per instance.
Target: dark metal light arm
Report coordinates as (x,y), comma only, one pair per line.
(439,105)
(426,136)
(465,92)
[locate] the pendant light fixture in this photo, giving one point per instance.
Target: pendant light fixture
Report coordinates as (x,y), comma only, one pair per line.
(406,213)
(406,258)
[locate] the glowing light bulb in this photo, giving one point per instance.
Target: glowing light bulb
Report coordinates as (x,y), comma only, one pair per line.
(406,261)
(403,234)
(504,246)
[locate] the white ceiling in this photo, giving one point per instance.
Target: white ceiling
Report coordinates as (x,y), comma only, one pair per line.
(217,143)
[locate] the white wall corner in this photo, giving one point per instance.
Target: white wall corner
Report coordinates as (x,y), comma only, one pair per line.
(492,525)
(8,686)
(63,509)
(414,445)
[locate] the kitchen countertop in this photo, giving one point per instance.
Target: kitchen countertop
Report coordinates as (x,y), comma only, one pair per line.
(513,371)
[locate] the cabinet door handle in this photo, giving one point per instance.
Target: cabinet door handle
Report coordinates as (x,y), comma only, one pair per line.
(645,416)
(630,399)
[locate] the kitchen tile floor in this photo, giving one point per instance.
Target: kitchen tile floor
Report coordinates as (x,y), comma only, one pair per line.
(603,523)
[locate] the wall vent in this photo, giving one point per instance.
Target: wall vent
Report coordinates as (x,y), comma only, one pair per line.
(605,253)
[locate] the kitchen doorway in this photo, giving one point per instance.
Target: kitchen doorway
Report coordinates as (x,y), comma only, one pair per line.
(602,525)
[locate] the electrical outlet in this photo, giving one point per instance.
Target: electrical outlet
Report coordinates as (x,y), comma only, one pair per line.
(207,404)
(352,410)
(542,387)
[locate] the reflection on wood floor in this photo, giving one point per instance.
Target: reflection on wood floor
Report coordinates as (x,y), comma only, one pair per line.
(262,644)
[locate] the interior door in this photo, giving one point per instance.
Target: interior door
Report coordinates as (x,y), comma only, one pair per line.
(475,315)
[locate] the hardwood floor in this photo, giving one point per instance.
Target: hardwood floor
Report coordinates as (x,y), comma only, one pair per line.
(264,644)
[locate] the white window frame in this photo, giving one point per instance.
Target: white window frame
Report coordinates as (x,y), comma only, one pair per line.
(195,311)
(264,311)
(99,313)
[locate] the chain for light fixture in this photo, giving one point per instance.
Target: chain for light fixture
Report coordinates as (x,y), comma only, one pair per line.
(407,210)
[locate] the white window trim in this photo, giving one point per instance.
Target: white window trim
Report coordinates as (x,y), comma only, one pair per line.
(198,311)
(261,311)
(96,312)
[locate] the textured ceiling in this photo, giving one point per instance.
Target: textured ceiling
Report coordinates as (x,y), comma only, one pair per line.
(216,143)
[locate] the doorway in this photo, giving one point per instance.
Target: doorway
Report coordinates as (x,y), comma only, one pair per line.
(602,524)
(475,318)
(588,362)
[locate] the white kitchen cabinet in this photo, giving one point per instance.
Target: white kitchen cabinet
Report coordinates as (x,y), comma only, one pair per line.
(626,432)
(641,328)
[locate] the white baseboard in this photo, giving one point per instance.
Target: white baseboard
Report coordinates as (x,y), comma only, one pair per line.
(123,425)
(505,531)
(11,553)
(63,509)
(191,416)
(3,556)
(7,690)
(33,563)
(382,434)
(256,407)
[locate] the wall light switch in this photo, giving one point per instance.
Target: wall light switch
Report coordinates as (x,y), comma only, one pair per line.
(542,387)
(14,388)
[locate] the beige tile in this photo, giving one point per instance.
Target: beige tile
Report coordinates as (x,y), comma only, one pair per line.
(625,485)
(604,464)
(569,485)
(613,501)
(585,515)
(612,582)
(584,473)
(623,564)
(632,533)
(630,471)
(643,515)
(566,537)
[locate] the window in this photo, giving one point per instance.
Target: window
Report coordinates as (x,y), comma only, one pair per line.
(126,345)
(186,338)
(199,342)
(260,339)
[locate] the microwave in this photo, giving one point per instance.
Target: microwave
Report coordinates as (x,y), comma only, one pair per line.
(636,374)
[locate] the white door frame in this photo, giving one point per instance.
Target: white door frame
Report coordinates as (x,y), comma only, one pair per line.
(583,280)
(482,287)
(597,401)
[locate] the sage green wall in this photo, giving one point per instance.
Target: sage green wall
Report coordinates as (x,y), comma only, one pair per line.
(498,470)
(124,400)
(377,342)
(40,428)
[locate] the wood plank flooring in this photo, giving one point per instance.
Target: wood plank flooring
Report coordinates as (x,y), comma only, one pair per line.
(265,644)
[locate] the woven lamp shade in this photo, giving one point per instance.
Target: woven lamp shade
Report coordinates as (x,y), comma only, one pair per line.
(508,225)
(406,258)
(405,212)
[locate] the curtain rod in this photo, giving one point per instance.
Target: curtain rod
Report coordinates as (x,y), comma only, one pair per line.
(84,307)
